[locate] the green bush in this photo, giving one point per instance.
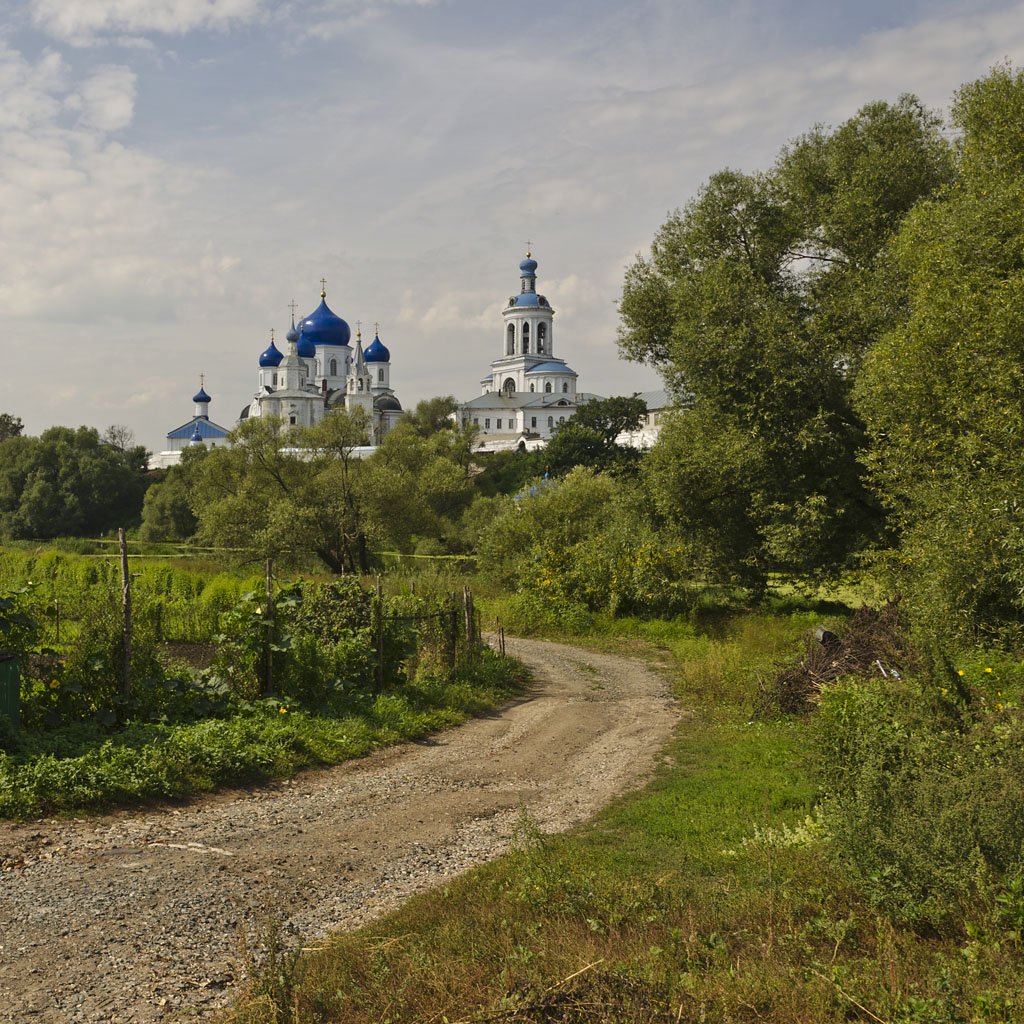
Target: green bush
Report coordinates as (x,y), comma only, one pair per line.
(923,791)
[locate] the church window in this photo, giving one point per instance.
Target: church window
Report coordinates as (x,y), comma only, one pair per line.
(380,375)
(551,422)
(547,387)
(360,383)
(533,421)
(275,380)
(533,387)
(511,339)
(565,388)
(499,425)
(291,420)
(334,368)
(476,421)
(509,387)
(542,336)
(561,419)
(487,423)
(526,338)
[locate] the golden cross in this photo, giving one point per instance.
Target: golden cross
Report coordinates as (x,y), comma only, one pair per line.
(528,253)
(376,327)
(359,328)
(271,335)
(323,287)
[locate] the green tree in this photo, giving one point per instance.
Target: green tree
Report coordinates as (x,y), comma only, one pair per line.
(589,438)
(167,513)
(747,307)
(67,482)
(942,392)
(10,426)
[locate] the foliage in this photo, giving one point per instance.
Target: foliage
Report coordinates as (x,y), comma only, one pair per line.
(167,513)
(925,793)
(10,426)
(68,482)
(941,393)
(589,438)
(758,301)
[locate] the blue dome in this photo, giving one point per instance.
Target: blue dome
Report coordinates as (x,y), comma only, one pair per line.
(376,352)
(196,438)
(324,327)
(293,332)
(271,357)
(527,299)
(528,267)
(201,395)
(306,346)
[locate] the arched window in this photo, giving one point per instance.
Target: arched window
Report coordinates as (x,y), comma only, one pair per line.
(542,337)
(547,387)
(526,338)
(511,339)
(509,387)
(551,421)
(334,367)
(533,387)
(561,419)
(565,388)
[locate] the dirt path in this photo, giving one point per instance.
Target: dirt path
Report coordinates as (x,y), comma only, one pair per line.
(131,917)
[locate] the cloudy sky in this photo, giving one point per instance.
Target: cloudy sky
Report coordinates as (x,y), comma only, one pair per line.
(174,172)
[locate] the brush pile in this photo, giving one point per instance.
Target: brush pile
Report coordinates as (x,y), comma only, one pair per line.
(871,643)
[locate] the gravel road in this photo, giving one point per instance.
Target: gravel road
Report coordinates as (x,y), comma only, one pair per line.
(137,916)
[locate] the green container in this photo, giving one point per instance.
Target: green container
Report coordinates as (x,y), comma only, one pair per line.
(10,688)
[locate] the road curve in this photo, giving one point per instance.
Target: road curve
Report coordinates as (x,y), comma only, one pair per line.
(133,916)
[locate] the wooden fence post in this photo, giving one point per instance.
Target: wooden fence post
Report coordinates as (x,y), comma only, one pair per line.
(126,607)
(56,620)
(268,678)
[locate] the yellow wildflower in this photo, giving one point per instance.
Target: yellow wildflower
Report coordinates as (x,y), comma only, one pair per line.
(988,670)
(283,711)
(54,684)
(959,671)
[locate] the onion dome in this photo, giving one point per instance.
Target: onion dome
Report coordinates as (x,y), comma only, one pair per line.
(197,438)
(271,356)
(528,267)
(201,395)
(376,352)
(387,403)
(323,327)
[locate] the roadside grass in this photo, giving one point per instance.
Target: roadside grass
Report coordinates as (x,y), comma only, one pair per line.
(84,767)
(709,896)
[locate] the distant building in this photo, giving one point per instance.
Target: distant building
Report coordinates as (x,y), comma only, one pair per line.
(318,372)
(529,390)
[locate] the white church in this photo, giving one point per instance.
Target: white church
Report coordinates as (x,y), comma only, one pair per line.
(318,372)
(529,390)
(527,393)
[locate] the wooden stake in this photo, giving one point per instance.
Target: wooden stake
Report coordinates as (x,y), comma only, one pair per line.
(126,607)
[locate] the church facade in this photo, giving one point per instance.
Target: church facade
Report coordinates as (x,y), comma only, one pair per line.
(529,390)
(319,371)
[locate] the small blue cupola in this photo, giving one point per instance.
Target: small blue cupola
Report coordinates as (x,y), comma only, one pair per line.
(202,400)
(323,326)
(271,356)
(528,282)
(376,351)
(197,438)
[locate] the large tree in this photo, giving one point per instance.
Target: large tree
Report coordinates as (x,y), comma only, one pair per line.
(943,393)
(757,303)
(67,482)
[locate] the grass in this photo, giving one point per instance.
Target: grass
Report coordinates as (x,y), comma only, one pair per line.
(84,767)
(706,897)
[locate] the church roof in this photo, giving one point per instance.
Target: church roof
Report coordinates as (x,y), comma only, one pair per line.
(324,327)
(205,427)
(376,352)
(497,400)
(552,367)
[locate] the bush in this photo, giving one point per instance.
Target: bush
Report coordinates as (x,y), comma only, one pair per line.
(924,792)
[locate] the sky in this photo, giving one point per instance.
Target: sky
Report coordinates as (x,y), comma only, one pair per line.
(173,173)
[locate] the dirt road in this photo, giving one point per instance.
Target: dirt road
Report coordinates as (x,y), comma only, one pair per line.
(133,916)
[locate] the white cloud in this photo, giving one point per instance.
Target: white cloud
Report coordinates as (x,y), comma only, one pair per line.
(83,22)
(106,98)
